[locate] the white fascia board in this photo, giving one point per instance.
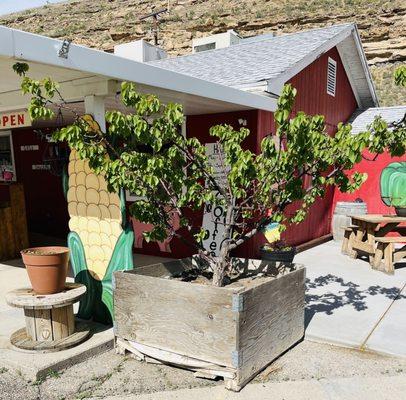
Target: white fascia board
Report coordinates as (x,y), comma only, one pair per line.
(275,85)
(347,70)
(41,49)
(365,66)
(6,42)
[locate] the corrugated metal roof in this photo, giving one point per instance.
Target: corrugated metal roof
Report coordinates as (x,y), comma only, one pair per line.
(252,62)
(362,118)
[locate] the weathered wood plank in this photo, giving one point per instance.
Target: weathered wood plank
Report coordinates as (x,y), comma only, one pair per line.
(43,325)
(30,323)
(395,239)
(26,297)
(21,340)
(272,320)
(378,218)
(190,319)
(388,258)
(70,319)
(363,246)
(60,322)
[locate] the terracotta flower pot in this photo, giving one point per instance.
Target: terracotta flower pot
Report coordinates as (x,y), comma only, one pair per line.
(47,268)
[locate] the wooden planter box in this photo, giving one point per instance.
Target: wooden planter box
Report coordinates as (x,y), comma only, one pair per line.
(233,331)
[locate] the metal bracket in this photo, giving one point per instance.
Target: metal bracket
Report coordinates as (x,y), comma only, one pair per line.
(238,303)
(64,50)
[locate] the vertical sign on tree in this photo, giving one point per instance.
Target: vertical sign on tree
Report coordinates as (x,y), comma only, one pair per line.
(214,215)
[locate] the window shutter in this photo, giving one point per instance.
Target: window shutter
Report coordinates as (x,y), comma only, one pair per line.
(331,76)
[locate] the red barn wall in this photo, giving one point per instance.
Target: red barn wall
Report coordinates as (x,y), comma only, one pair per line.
(312,98)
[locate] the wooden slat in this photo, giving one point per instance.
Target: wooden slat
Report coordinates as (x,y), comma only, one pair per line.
(60,322)
(43,325)
(378,255)
(388,258)
(21,340)
(30,323)
(70,317)
(399,255)
(26,297)
(396,239)
(189,319)
(378,218)
(363,246)
(272,320)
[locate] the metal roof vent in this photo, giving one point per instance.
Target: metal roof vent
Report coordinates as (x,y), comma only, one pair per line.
(218,41)
(331,76)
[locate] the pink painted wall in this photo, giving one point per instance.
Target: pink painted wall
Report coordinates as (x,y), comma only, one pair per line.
(369,191)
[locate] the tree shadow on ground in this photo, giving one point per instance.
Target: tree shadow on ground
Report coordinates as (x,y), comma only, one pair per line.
(350,295)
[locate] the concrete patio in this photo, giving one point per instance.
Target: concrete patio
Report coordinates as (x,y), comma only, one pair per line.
(349,304)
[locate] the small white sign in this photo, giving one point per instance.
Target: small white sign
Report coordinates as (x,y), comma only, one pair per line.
(31,147)
(41,167)
(215,216)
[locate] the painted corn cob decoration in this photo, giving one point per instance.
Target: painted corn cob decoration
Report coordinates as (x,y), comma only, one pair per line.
(99,242)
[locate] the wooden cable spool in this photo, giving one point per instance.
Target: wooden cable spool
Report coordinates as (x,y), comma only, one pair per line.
(49,319)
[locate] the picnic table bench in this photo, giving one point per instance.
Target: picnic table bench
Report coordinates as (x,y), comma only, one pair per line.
(368,235)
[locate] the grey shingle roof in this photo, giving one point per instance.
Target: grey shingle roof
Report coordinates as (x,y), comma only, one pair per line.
(252,62)
(362,118)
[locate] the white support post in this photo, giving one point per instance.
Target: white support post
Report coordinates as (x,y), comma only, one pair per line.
(94,105)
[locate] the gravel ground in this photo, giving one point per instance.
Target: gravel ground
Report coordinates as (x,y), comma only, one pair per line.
(111,374)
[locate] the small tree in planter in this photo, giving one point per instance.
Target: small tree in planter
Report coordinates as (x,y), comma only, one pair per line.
(145,152)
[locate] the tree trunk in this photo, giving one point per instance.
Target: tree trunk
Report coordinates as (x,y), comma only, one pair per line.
(219,272)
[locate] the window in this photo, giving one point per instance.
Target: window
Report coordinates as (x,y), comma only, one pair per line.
(7,166)
(204,47)
(331,76)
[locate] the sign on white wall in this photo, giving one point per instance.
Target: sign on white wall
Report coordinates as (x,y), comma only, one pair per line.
(17,119)
(215,215)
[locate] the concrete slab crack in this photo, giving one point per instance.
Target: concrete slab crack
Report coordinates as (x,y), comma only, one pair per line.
(363,344)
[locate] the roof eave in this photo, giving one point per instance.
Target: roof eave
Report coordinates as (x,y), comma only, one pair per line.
(29,47)
(365,66)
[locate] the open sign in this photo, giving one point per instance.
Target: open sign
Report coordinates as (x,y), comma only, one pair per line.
(16,119)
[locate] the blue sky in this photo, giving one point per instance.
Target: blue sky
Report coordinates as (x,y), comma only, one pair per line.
(9,6)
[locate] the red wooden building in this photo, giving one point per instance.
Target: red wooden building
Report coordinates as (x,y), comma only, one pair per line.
(227,79)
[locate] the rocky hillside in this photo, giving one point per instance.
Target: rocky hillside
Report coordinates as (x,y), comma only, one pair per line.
(104,23)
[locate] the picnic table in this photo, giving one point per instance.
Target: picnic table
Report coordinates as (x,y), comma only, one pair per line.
(370,237)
